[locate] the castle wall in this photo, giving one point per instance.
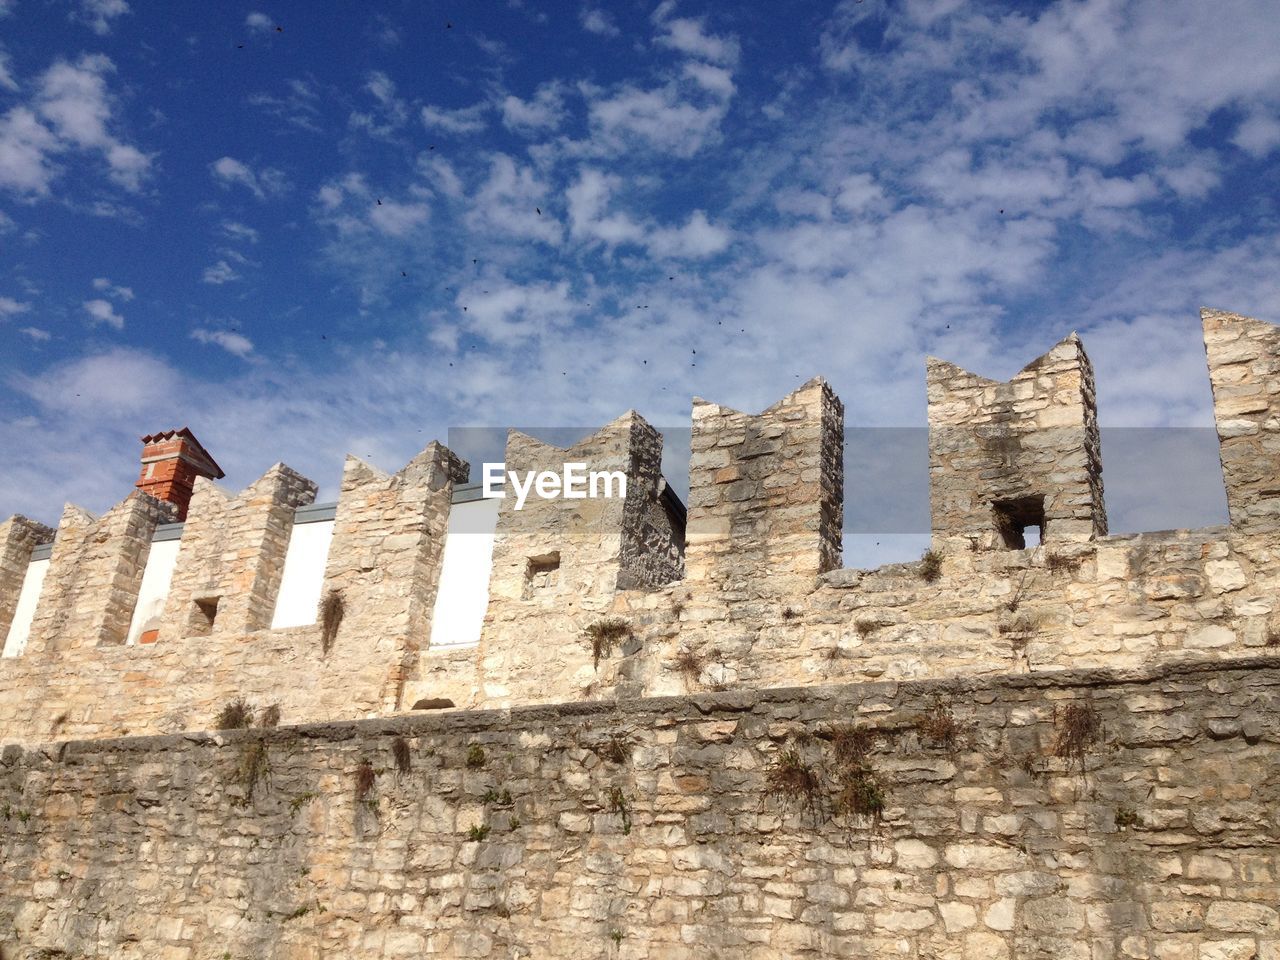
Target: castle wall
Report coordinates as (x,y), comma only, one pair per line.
(1026,452)
(766,494)
(1244,370)
(558,563)
(1076,815)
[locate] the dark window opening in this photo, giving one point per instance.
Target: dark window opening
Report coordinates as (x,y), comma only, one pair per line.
(1020,522)
(542,573)
(204,612)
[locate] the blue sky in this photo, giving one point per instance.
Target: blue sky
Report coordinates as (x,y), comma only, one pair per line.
(305,234)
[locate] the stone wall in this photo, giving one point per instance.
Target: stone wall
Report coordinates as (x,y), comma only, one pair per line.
(758,605)
(232,556)
(94,574)
(1077,815)
(1007,455)
(559,563)
(383,563)
(766,495)
(18,537)
(1244,370)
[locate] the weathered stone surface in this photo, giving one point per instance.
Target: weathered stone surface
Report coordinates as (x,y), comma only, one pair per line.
(551,845)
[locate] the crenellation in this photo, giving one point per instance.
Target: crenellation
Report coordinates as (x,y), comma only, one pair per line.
(1244,372)
(18,537)
(232,556)
(94,574)
(600,598)
(766,494)
(384,560)
(1008,456)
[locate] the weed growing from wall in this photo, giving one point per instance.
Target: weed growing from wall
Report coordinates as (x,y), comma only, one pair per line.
(400,751)
(937,726)
(365,778)
(1079,728)
(236,715)
(690,664)
(475,757)
(332,609)
(618,804)
(930,568)
(604,636)
(270,716)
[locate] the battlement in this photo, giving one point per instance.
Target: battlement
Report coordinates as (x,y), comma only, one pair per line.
(414,588)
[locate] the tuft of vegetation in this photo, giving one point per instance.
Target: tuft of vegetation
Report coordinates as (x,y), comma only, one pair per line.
(616,936)
(254,768)
(478,832)
(269,716)
(690,664)
(791,778)
(866,628)
(365,777)
(475,757)
(300,800)
(938,725)
(615,750)
(1273,635)
(400,751)
(502,799)
(619,805)
(1023,623)
(860,794)
(858,789)
(332,609)
(236,715)
(1079,728)
(604,636)
(1126,817)
(930,566)
(677,608)
(788,613)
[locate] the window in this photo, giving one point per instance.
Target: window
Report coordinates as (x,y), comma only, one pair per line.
(203,613)
(541,574)
(1020,522)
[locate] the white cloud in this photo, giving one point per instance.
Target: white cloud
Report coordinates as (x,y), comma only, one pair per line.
(397,219)
(589,199)
(268,181)
(101,311)
(598,22)
(259,22)
(513,202)
(513,313)
(689,37)
(465,120)
(696,239)
(1258,135)
(122,381)
(71,110)
(6,78)
(99,14)
(659,117)
(219,273)
(6,7)
(239,231)
(229,341)
(35,333)
(391,112)
(10,307)
(102,284)
(545,111)
(717,80)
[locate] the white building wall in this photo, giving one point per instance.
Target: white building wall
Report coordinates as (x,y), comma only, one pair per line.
(463,594)
(303,577)
(154,590)
(20,628)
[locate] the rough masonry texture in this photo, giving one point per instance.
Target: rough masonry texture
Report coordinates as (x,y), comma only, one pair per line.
(676,828)
(1065,749)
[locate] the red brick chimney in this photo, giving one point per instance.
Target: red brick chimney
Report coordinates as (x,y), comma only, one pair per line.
(171,461)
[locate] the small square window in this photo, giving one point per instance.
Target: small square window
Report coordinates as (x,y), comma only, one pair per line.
(541,574)
(1020,522)
(204,612)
